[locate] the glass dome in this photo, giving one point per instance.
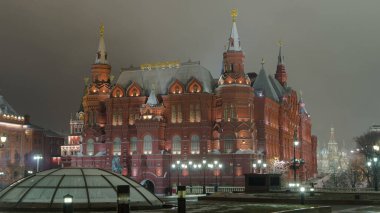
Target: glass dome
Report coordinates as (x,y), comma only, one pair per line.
(91,188)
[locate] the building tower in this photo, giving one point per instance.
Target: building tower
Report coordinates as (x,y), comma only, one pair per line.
(234,132)
(281,74)
(98,90)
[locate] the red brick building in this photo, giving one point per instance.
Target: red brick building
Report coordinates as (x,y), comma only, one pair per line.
(20,142)
(158,114)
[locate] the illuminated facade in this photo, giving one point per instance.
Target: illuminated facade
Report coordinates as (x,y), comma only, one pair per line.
(20,142)
(158,114)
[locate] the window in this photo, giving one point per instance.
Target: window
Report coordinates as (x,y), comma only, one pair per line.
(117,117)
(176,114)
(229,144)
(90,147)
(176,145)
(195,113)
(195,144)
(229,112)
(133,145)
(117,146)
(148,144)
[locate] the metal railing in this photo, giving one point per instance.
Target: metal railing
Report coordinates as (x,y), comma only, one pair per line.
(211,189)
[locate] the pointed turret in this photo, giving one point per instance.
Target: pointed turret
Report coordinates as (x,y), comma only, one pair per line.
(302,104)
(281,74)
(233,57)
(152,100)
(101,55)
(234,40)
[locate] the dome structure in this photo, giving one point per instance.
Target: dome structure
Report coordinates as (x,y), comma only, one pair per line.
(91,188)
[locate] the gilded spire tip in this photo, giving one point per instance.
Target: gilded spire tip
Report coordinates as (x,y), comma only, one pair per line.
(101,30)
(280,43)
(234,14)
(262,62)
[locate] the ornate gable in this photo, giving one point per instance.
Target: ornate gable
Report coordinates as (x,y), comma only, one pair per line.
(117,92)
(134,90)
(194,86)
(176,87)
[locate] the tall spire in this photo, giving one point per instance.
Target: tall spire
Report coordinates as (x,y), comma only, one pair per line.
(234,41)
(101,55)
(280,57)
(303,106)
(281,74)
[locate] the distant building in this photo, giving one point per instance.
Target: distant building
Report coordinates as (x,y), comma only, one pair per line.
(332,158)
(158,114)
(21,141)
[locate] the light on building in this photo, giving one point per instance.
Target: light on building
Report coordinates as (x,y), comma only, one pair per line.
(376,147)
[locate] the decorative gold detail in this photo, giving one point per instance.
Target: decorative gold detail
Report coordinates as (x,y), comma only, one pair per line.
(101,30)
(262,61)
(161,65)
(280,43)
(234,14)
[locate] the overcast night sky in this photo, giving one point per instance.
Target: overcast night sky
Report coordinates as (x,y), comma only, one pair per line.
(331,49)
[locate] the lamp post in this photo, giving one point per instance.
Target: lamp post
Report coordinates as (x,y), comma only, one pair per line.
(376,149)
(302,191)
(204,176)
(259,165)
(215,167)
(177,166)
(37,158)
(295,143)
(190,166)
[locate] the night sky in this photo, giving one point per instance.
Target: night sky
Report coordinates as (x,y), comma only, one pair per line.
(331,49)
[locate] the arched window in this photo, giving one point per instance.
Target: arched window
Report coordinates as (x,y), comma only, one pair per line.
(176,145)
(133,145)
(117,146)
(229,143)
(148,144)
(195,144)
(90,147)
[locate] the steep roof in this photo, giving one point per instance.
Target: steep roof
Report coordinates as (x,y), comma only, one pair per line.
(262,83)
(161,78)
(5,107)
(280,91)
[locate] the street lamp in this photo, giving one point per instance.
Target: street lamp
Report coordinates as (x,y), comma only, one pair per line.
(37,158)
(302,190)
(376,149)
(178,166)
(190,166)
(260,165)
(204,176)
(296,163)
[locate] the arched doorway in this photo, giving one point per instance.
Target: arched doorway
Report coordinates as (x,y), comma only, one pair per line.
(149,185)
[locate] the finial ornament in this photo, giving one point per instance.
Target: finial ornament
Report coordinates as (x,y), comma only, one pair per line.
(262,62)
(234,14)
(101,30)
(280,43)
